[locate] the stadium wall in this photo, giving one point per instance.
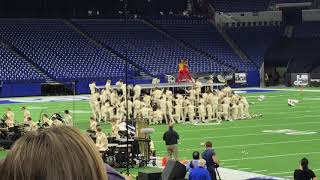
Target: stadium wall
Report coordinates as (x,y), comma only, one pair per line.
(20,89)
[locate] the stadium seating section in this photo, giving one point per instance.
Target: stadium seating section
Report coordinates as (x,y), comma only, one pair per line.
(86,49)
(142,44)
(254,41)
(202,35)
(240,5)
(59,50)
(15,68)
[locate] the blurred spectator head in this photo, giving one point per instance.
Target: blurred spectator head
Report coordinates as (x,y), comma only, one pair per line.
(54,153)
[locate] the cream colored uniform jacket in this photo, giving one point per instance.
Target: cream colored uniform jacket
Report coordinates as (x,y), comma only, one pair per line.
(10,116)
(102,141)
(47,121)
(137,92)
(202,112)
(156,95)
(93,125)
(32,126)
(157,116)
(68,120)
(147,100)
(57,123)
(26,114)
(108,86)
(92,87)
(234,111)
(136,107)
(10,119)
(191,112)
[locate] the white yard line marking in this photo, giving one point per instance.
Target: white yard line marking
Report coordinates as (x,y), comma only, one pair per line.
(242,127)
(273,156)
(255,144)
(236,135)
(233,166)
(259,171)
(244,169)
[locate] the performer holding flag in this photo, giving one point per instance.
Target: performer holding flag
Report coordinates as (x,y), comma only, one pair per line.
(183,73)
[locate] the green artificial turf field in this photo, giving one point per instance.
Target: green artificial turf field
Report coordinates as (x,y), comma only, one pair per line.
(270,145)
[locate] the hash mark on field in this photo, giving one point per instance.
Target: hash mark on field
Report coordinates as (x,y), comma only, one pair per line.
(241,169)
(233,166)
(259,171)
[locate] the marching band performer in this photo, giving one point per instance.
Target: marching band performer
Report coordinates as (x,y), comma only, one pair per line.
(93,87)
(32,125)
(191,113)
(137,92)
(9,118)
(56,122)
(46,121)
(68,118)
(102,140)
(163,107)
(202,113)
(93,124)
(183,73)
(26,114)
(136,107)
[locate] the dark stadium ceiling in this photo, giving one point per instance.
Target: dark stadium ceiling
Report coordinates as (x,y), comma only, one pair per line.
(81,8)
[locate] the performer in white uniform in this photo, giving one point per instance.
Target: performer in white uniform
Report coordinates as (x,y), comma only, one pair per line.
(102,140)
(56,122)
(136,107)
(157,117)
(46,121)
(93,124)
(234,111)
(137,92)
(191,113)
(10,118)
(93,87)
(26,114)
(209,112)
(68,118)
(32,125)
(170,110)
(202,113)
(163,107)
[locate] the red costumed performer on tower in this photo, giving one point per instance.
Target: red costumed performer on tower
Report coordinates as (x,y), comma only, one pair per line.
(183,73)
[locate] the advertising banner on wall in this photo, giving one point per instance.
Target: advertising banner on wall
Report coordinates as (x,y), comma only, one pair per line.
(300,79)
(315,79)
(240,78)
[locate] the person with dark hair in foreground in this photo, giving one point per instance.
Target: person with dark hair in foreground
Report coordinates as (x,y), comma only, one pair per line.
(200,172)
(211,159)
(304,173)
(171,138)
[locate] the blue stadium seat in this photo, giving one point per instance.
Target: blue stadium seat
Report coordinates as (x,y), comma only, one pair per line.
(254,41)
(145,46)
(200,34)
